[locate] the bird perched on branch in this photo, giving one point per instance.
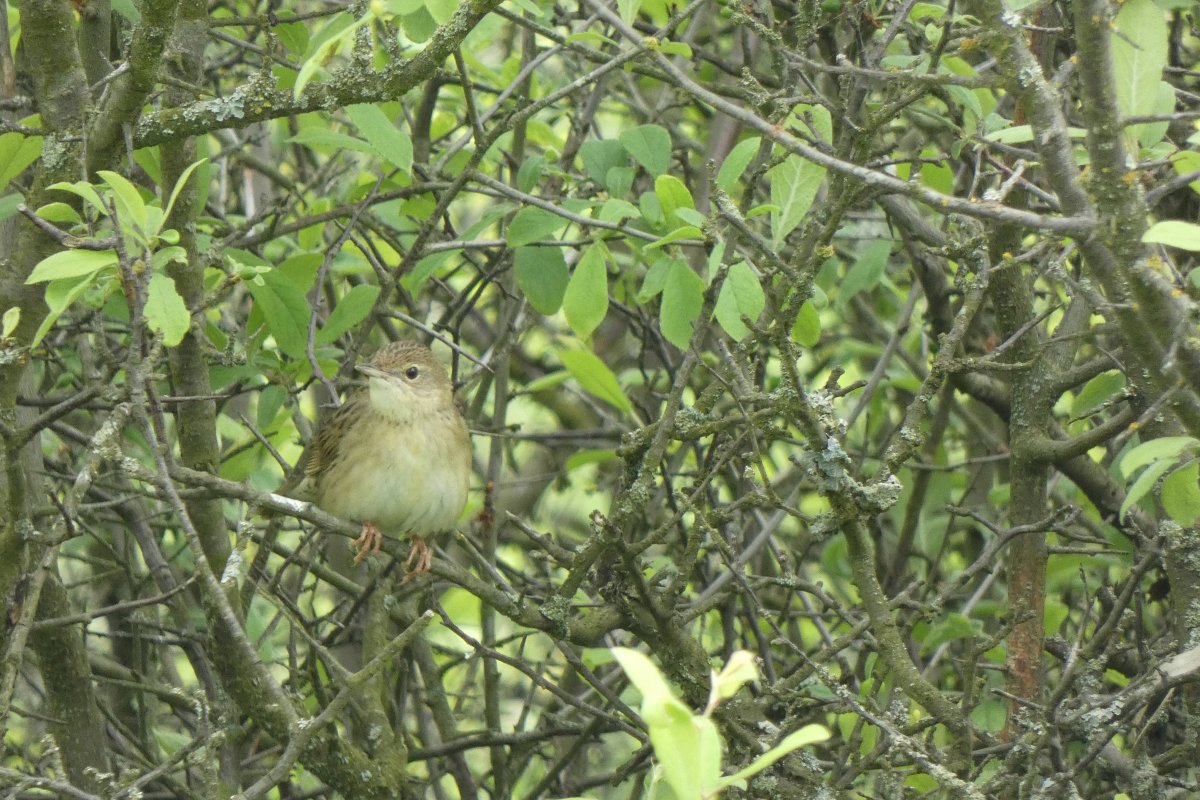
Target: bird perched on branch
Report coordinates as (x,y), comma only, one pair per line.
(396,456)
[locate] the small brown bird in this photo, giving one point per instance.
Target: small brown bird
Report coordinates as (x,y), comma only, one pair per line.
(396,455)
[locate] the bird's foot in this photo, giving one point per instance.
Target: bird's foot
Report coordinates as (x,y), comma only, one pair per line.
(420,557)
(370,542)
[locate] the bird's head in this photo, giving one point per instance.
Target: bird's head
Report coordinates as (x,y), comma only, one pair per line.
(405,380)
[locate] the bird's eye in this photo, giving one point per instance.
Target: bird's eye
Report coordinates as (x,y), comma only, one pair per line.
(412,373)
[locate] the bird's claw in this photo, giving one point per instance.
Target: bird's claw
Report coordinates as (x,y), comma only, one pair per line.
(370,542)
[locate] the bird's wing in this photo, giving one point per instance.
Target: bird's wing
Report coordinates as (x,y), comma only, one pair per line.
(320,452)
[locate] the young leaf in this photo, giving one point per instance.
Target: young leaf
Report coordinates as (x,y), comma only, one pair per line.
(542,277)
(682,297)
(586,300)
(650,146)
(60,294)
(165,310)
(809,734)
(595,377)
(742,668)
(180,182)
(71,264)
(131,208)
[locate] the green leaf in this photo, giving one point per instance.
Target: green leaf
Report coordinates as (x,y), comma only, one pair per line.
(736,162)
(71,264)
(350,310)
(1019,134)
(64,215)
(709,762)
(441,10)
(542,276)
(682,298)
(616,210)
(1166,448)
(807,328)
(392,144)
(17,151)
(324,140)
(794,185)
(656,279)
(586,300)
(1097,391)
(60,294)
(270,400)
(675,49)
(532,224)
(650,146)
(285,311)
(809,734)
(672,195)
(680,233)
(740,669)
(1139,53)
(9,322)
(677,745)
(601,155)
(84,190)
(1181,494)
(180,182)
(813,121)
(741,296)
(619,180)
(324,44)
(628,9)
(866,271)
(130,206)
(673,732)
(951,627)
(165,310)
(595,377)
(530,173)
(1175,233)
(1144,484)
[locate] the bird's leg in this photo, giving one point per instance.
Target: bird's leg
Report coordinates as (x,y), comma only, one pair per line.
(420,557)
(370,541)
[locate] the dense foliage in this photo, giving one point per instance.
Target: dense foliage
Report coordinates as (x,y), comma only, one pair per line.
(856,335)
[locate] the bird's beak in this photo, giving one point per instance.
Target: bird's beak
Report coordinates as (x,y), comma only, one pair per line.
(370,371)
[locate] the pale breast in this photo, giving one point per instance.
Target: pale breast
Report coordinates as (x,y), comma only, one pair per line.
(405,478)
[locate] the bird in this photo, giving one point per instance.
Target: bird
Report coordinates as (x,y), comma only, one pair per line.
(395,456)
